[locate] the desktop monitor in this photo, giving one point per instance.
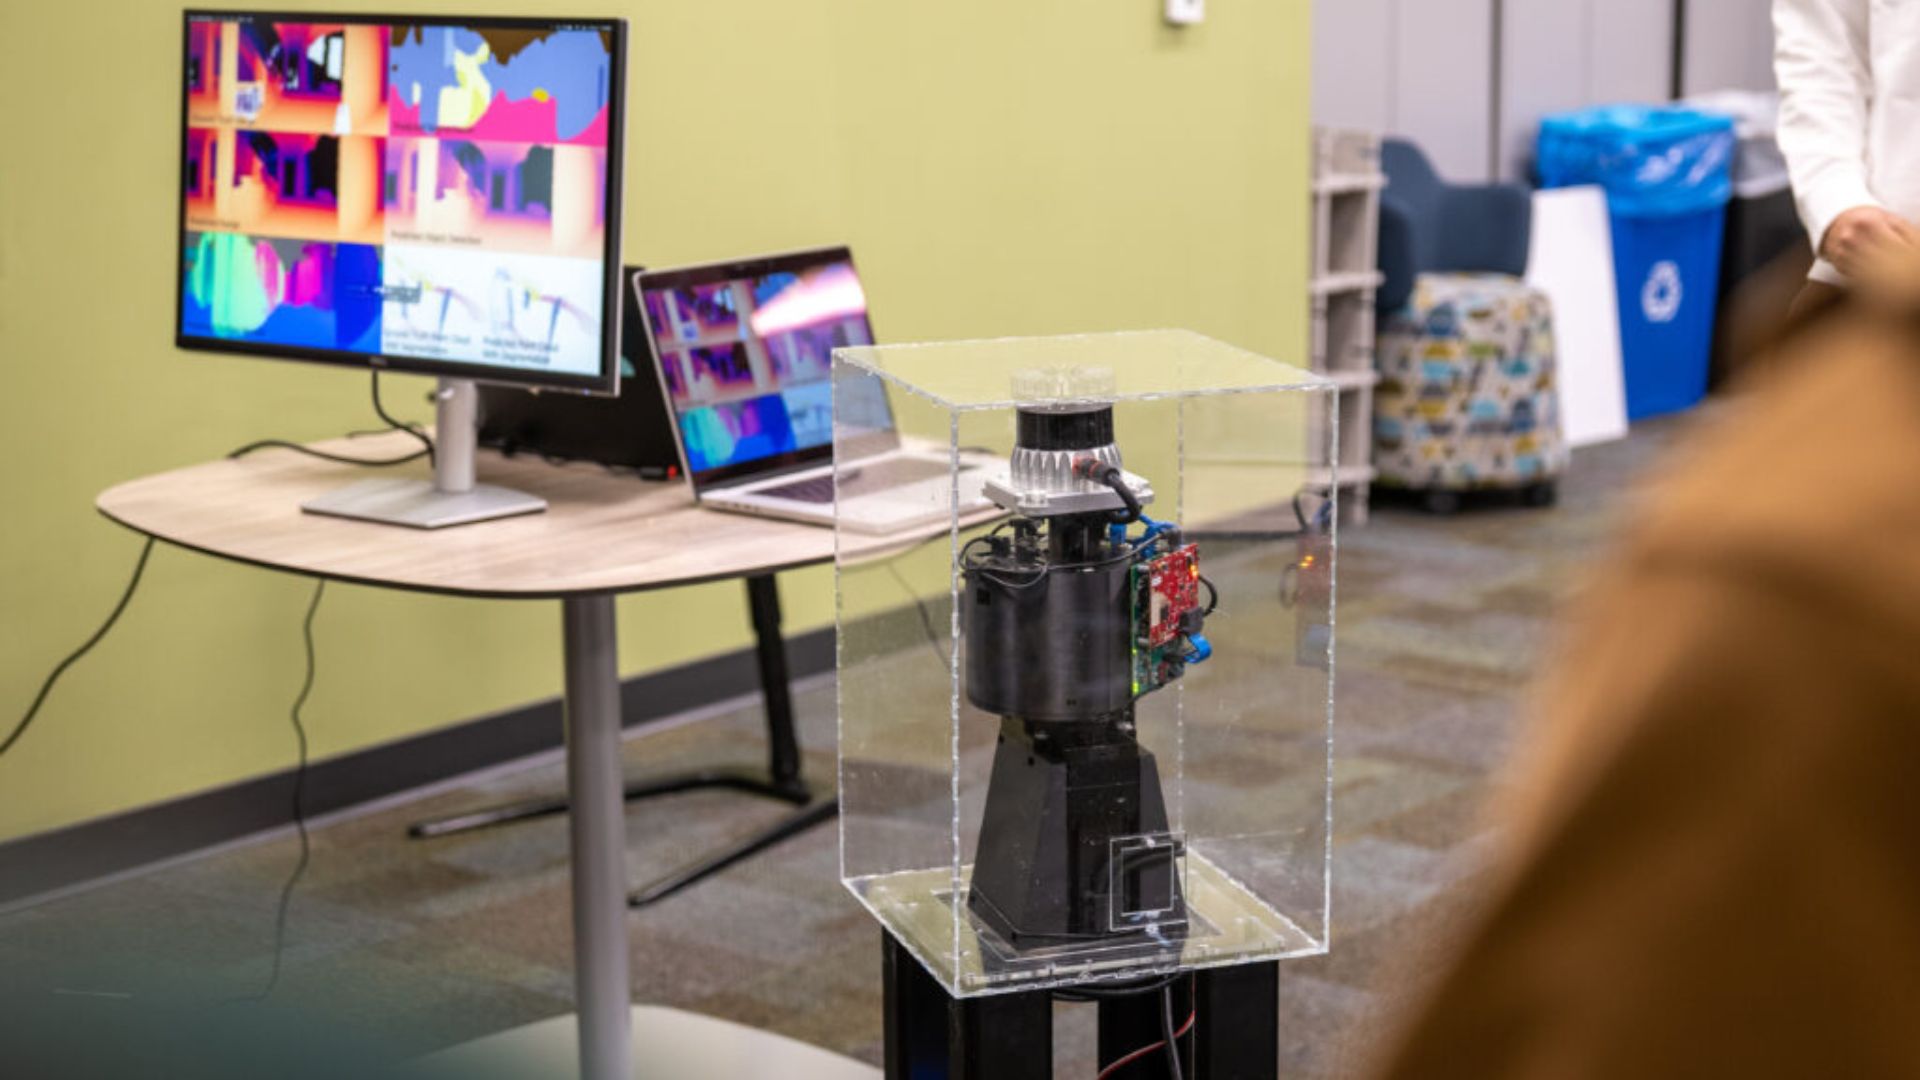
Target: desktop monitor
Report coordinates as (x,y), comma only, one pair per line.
(744,351)
(428,194)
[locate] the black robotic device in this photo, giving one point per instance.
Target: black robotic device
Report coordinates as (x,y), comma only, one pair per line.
(1070,618)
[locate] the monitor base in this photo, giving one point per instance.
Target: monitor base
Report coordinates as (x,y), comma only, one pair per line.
(418,504)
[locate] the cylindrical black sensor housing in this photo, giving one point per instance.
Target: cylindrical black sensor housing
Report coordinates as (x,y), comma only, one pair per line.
(1079,429)
(1049,644)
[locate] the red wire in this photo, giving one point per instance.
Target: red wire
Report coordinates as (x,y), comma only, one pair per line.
(1145,1050)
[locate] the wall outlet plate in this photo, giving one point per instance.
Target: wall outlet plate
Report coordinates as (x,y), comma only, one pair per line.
(1186,12)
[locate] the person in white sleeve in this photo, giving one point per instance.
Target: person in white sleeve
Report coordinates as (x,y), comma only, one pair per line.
(1849,74)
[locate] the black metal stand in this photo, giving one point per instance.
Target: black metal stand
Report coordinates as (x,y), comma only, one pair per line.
(781,781)
(931,1035)
(1234,1034)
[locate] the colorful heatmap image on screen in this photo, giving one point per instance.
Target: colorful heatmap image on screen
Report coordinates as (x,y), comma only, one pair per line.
(747,362)
(403,189)
(282,292)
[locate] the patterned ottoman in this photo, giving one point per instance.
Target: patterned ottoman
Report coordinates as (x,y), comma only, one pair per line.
(1467,398)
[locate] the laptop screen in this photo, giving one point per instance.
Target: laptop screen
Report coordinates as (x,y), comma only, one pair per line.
(745,353)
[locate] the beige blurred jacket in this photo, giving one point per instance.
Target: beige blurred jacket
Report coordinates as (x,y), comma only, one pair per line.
(1849,74)
(1712,866)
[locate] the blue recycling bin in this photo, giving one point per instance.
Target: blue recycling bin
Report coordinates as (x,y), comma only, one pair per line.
(1668,174)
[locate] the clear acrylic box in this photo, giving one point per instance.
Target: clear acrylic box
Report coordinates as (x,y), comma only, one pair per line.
(1057,766)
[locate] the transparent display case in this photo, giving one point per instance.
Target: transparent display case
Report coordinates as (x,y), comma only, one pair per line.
(1085,616)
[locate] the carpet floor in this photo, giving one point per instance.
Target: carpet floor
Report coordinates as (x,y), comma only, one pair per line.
(423,944)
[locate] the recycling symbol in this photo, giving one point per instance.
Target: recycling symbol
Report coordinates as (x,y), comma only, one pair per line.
(1660,297)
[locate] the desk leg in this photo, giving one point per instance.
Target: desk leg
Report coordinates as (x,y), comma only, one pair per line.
(783,781)
(770,654)
(601,981)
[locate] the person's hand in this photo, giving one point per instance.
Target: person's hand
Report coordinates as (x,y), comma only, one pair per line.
(1864,236)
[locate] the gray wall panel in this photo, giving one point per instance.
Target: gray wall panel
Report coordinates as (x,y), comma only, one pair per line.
(1424,68)
(1352,71)
(1418,68)
(1547,68)
(1568,54)
(1729,45)
(1632,42)
(1445,83)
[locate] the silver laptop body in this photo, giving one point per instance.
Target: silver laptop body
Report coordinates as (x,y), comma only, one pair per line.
(748,388)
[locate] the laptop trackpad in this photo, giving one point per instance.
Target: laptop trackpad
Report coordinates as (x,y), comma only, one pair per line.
(884,474)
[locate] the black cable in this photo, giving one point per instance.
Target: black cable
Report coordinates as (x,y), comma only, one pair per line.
(379,409)
(1111,476)
(1170,1035)
(299,797)
(1213,595)
(1174,1067)
(343,459)
(39,699)
(926,617)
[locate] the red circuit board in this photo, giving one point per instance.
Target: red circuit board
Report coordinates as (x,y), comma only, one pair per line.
(1171,589)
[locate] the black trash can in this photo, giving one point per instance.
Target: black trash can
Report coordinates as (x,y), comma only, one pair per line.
(1763,223)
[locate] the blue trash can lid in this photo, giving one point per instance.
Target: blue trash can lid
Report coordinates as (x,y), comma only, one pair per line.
(1654,161)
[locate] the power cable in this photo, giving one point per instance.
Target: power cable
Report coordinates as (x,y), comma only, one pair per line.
(342,459)
(1170,1036)
(299,798)
(39,699)
(426,442)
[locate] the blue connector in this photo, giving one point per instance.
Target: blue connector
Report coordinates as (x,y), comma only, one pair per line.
(1202,649)
(1154,529)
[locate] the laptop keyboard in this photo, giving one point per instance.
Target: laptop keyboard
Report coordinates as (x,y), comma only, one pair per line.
(818,489)
(864,480)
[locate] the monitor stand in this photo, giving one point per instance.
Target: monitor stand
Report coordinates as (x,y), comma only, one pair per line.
(451,497)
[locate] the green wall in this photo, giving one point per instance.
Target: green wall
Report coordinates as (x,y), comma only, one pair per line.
(999,166)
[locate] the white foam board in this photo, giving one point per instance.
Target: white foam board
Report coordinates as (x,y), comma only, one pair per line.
(1572,262)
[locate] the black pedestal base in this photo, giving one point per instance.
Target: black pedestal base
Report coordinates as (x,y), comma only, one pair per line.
(1073,842)
(1233,1034)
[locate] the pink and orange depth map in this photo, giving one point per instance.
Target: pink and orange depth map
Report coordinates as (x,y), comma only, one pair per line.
(414,190)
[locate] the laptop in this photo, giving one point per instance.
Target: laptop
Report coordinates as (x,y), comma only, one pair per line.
(744,352)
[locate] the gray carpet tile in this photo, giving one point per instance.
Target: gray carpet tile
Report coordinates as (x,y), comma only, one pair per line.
(428,943)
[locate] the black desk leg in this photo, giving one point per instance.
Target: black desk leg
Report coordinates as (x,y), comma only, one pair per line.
(781,781)
(770,652)
(932,1036)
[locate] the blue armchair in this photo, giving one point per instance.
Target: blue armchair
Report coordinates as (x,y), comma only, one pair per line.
(1468,397)
(1430,226)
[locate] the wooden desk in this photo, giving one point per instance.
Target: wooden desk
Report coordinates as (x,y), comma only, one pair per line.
(602,535)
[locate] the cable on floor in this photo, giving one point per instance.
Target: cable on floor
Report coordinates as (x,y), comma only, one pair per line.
(299,798)
(39,699)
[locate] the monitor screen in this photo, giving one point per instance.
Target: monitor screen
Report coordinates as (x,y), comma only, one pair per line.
(432,195)
(745,353)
